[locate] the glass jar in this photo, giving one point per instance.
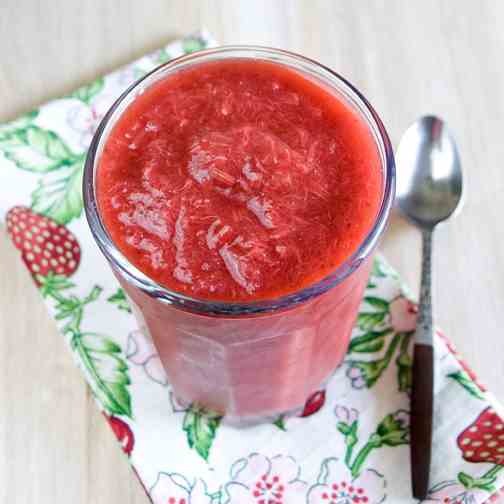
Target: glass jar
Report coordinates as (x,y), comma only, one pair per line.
(248,360)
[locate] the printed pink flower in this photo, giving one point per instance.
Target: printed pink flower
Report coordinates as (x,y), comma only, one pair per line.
(403,314)
(258,479)
(336,486)
(178,405)
(173,488)
(141,351)
(84,119)
(452,492)
(346,415)
(357,376)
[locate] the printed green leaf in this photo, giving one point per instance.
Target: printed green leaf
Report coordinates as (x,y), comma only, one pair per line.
(18,124)
(485,482)
(66,307)
(366,321)
(192,44)
(162,56)
(378,270)
(101,359)
(405,364)
(463,379)
(369,346)
(369,342)
(393,430)
(378,303)
(47,142)
(465,479)
(36,149)
(370,371)
(93,295)
(98,343)
(404,378)
(382,269)
(52,283)
(120,300)
(200,426)
(351,439)
(280,423)
(59,196)
(88,92)
(344,428)
(216,497)
(99,356)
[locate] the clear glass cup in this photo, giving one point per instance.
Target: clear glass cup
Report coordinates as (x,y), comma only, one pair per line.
(254,360)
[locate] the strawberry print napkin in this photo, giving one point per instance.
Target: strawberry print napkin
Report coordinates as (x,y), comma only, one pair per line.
(350,442)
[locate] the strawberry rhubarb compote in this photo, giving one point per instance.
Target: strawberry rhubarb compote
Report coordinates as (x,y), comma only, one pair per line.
(241,183)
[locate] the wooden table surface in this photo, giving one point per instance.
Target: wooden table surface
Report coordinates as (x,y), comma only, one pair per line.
(409,59)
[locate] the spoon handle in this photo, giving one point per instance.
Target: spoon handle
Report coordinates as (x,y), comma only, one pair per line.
(422,395)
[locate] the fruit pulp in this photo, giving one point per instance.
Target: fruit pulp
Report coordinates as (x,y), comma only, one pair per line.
(238,180)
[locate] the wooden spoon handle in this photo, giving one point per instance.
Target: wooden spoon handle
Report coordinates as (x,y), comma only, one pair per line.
(422,398)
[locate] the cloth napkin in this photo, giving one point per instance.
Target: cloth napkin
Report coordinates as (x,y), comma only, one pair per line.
(348,445)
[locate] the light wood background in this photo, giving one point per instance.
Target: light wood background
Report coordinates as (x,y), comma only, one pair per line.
(409,59)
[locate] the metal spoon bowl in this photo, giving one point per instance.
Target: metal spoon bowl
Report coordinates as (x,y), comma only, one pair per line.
(429,181)
(429,191)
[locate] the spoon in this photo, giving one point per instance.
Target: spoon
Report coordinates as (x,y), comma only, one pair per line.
(429,190)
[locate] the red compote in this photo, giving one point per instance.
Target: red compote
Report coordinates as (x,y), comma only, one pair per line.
(240,180)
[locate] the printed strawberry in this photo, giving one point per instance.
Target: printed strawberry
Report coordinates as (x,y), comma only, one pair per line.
(123,433)
(45,245)
(314,403)
(483,440)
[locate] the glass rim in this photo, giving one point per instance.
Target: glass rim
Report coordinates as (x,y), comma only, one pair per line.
(141,281)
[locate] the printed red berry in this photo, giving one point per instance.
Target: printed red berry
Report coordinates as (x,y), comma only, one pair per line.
(123,434)
(45,245)
(483,440)
(314,403)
